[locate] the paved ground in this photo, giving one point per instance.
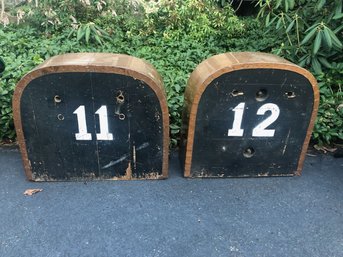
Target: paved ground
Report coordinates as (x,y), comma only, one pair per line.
(299,216)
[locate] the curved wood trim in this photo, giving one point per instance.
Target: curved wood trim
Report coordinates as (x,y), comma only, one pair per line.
(94,62)
(216,66)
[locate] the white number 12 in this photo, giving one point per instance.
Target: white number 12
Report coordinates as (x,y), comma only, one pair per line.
(82,124)
(260,130)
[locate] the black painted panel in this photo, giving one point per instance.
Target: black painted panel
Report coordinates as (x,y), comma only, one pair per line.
(135,121)
(2,66)
(215,154)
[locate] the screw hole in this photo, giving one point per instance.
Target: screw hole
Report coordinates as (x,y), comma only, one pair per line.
(122,116)
(261,95)
(57,99)
(290,94)
(60,117)
(236,92)
(249,152)
(120,97)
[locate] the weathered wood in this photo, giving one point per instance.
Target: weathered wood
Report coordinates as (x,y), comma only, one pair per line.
(92,116)
(247,81)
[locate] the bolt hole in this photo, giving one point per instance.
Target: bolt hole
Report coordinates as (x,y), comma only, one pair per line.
(236,92)
(60,117)
(122,116)
(261,95)
(120,97)
(249,152)
(290,94)
(57,99)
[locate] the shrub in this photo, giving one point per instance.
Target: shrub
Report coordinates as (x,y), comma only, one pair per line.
(312,32)
(175,36)
(198,19)
(155,36)
(329,125)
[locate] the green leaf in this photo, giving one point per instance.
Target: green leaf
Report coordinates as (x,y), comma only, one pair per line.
(309,36)
(272,21)
(98,39)
(278,3)
(338,11)
(302,60)
(80,33)
(100,30)
(267,19)
(316,65)
(325,62)
(290,26)
(302,63)
(320,4)
(317,43)
(337,16)
(291,4)
(70,33)
(278,24)
(338,29)
(88,32)
(327,37)
(288,18)
(335,41)
(313,26)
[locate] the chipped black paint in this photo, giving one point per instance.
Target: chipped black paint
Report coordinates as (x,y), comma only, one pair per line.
(49,126)
(215,154)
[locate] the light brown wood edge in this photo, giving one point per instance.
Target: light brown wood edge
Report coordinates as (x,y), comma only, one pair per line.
(216,66)
(94,62)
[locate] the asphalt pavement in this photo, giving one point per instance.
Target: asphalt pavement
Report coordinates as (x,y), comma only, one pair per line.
(279,216)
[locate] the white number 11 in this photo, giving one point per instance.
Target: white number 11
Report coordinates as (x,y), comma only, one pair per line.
(82,124)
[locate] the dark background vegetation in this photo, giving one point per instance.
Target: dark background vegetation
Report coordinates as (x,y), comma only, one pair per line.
(175,36)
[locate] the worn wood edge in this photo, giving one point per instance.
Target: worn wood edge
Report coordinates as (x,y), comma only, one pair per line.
(129,66)
(310,127)
(229,62)
(105,60)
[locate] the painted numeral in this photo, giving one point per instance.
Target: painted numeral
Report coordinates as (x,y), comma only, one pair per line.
(82,124)
(236,130)
(261,129)
(103,120)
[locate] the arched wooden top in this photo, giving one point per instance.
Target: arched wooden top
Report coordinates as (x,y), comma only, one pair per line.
(101,63)
(116,63)
(218,65)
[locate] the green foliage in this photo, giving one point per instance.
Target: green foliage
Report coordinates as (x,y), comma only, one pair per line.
(198,19)
(88,32)
(55,15)
(175,60)
(312,29)
(175,36)
(175,39)
(255,38)
(312,33)
(18,62)
(329,126)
